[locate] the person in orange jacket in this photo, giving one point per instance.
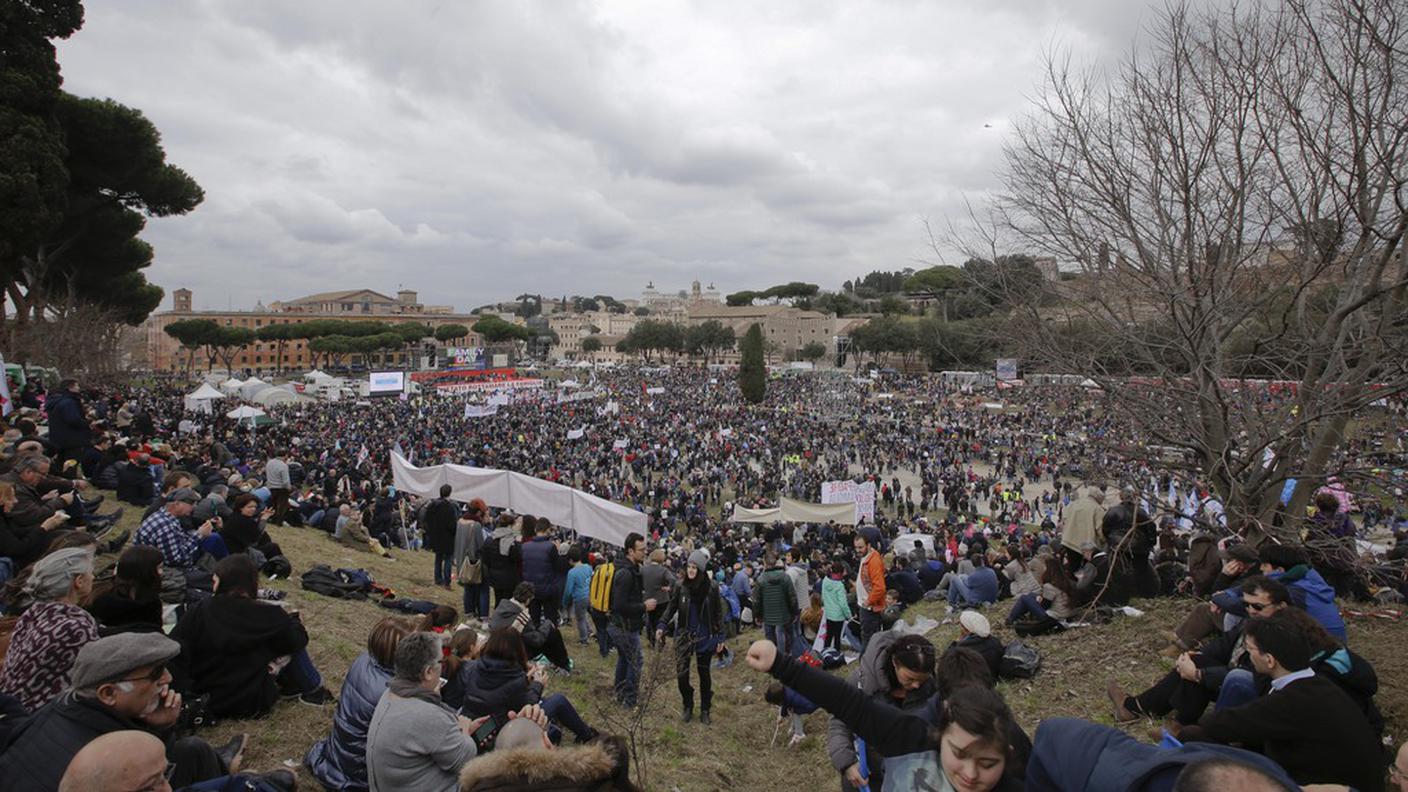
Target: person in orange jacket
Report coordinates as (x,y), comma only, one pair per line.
(870,584)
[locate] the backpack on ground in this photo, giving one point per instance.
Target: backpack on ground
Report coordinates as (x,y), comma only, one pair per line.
(1019,661)
(277,567)
(832,658)
(322,580)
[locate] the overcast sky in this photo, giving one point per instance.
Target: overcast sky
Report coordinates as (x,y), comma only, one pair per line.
(477,150)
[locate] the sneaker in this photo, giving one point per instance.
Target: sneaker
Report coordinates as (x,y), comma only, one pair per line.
(317,697)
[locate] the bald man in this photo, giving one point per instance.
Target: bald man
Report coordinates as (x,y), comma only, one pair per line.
(116,762)
(122,761)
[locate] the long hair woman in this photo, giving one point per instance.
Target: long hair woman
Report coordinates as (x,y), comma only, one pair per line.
(697,610)
(133,603)
(967,750)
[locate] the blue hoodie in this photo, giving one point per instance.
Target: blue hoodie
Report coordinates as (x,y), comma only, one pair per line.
(579,580)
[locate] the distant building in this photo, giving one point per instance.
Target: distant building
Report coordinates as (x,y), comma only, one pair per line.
(163,353)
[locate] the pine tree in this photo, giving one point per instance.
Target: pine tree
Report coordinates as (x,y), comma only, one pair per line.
(752,374)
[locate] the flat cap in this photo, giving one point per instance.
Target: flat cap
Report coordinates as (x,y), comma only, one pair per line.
(1241,551)
(109,659)
(184,495)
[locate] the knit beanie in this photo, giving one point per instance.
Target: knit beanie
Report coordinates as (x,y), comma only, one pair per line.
(700,559)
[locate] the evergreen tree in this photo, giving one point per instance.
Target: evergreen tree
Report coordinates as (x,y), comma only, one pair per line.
(752,375)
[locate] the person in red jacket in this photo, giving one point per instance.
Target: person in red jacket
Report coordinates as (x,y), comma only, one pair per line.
(870,585)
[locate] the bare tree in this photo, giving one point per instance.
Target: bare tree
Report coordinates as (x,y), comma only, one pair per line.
(1233,198)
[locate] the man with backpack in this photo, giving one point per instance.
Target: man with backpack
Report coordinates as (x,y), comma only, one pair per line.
(599,601)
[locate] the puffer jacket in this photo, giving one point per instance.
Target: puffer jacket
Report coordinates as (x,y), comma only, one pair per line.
(500,569)
(542,567)
(1315,595)
(42,745)
(67,426)
(339,761)
(496,687)
(873,679)
(775,601)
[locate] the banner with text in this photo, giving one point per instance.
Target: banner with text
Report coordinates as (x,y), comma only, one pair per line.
(862,495)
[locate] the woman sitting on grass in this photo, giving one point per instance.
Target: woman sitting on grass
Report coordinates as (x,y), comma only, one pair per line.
(339,761)
(967,751)
(133,603)
(502,681)
(244,652)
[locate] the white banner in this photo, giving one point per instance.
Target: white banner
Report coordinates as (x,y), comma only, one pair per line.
(654,391)
(847,491)
(576,434)
(488,385)
(586,514)
(480,410)
(568,398)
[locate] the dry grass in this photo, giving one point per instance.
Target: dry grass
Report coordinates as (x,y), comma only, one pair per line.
(734,751)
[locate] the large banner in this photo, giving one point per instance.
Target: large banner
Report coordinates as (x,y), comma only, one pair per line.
(847,491)
(488,385)
(465,358)
(568,398)
(1007,369)
(586,514)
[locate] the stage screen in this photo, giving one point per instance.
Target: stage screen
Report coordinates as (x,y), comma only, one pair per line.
(382,382)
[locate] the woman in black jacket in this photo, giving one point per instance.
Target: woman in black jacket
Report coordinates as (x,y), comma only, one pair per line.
(133,604)
(244,528)
(502,681)
(697,609)
(500,556)
(232,643)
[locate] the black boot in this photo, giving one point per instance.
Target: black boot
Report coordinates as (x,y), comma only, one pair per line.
(688,714)
(704,717)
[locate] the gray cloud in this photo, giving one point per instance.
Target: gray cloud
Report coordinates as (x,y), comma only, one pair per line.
(475,151)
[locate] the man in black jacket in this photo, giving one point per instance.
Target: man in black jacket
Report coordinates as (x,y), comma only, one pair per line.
(1306,723)
(119,683)
(628,609)
(1197,677)
(438,522)
(1133,550)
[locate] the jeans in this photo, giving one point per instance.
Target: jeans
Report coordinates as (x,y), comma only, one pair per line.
(560,709)
(476,600)
(781,635)
(603,635)
(706,682)
(798,641)
(628,664)
(583,622)
(443,564)
(869,625)
(300,674)
(958,593)
(1238,688)
(1027,603)
(215,546)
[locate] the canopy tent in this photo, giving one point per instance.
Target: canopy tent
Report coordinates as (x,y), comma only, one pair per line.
(798,511)
(200,399)
(276,395)
(231,386)
(252,386)
(586,514)
(253,415)
(318,376)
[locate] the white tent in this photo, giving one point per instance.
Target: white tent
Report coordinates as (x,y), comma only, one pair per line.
(252,386)
(586,514)
(270,396)
(318,376)
(245,413)
(200,399)
(231,386)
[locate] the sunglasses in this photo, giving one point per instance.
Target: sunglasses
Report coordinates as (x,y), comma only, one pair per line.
(153,676)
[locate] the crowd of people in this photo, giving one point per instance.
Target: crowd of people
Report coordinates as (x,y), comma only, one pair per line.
(1018,514)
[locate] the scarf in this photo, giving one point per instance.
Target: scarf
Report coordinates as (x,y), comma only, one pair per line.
(505,537)
(407,689)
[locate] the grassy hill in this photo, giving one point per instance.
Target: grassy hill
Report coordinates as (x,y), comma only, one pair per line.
(735,750)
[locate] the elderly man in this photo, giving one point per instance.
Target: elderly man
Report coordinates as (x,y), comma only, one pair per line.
(414,741)
(40,496)
(119,683)
(126,760)
(1081,523)
(180,548)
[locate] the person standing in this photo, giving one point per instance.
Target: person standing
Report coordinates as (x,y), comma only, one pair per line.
(776,607)
(628,609)
(470,536)
(1081,523)
(658,582)
(599,602)
(870,587)
(68,426)
(543,567)
(697,610)
(576,594)
(439,518)
(276,478)
(835,606)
